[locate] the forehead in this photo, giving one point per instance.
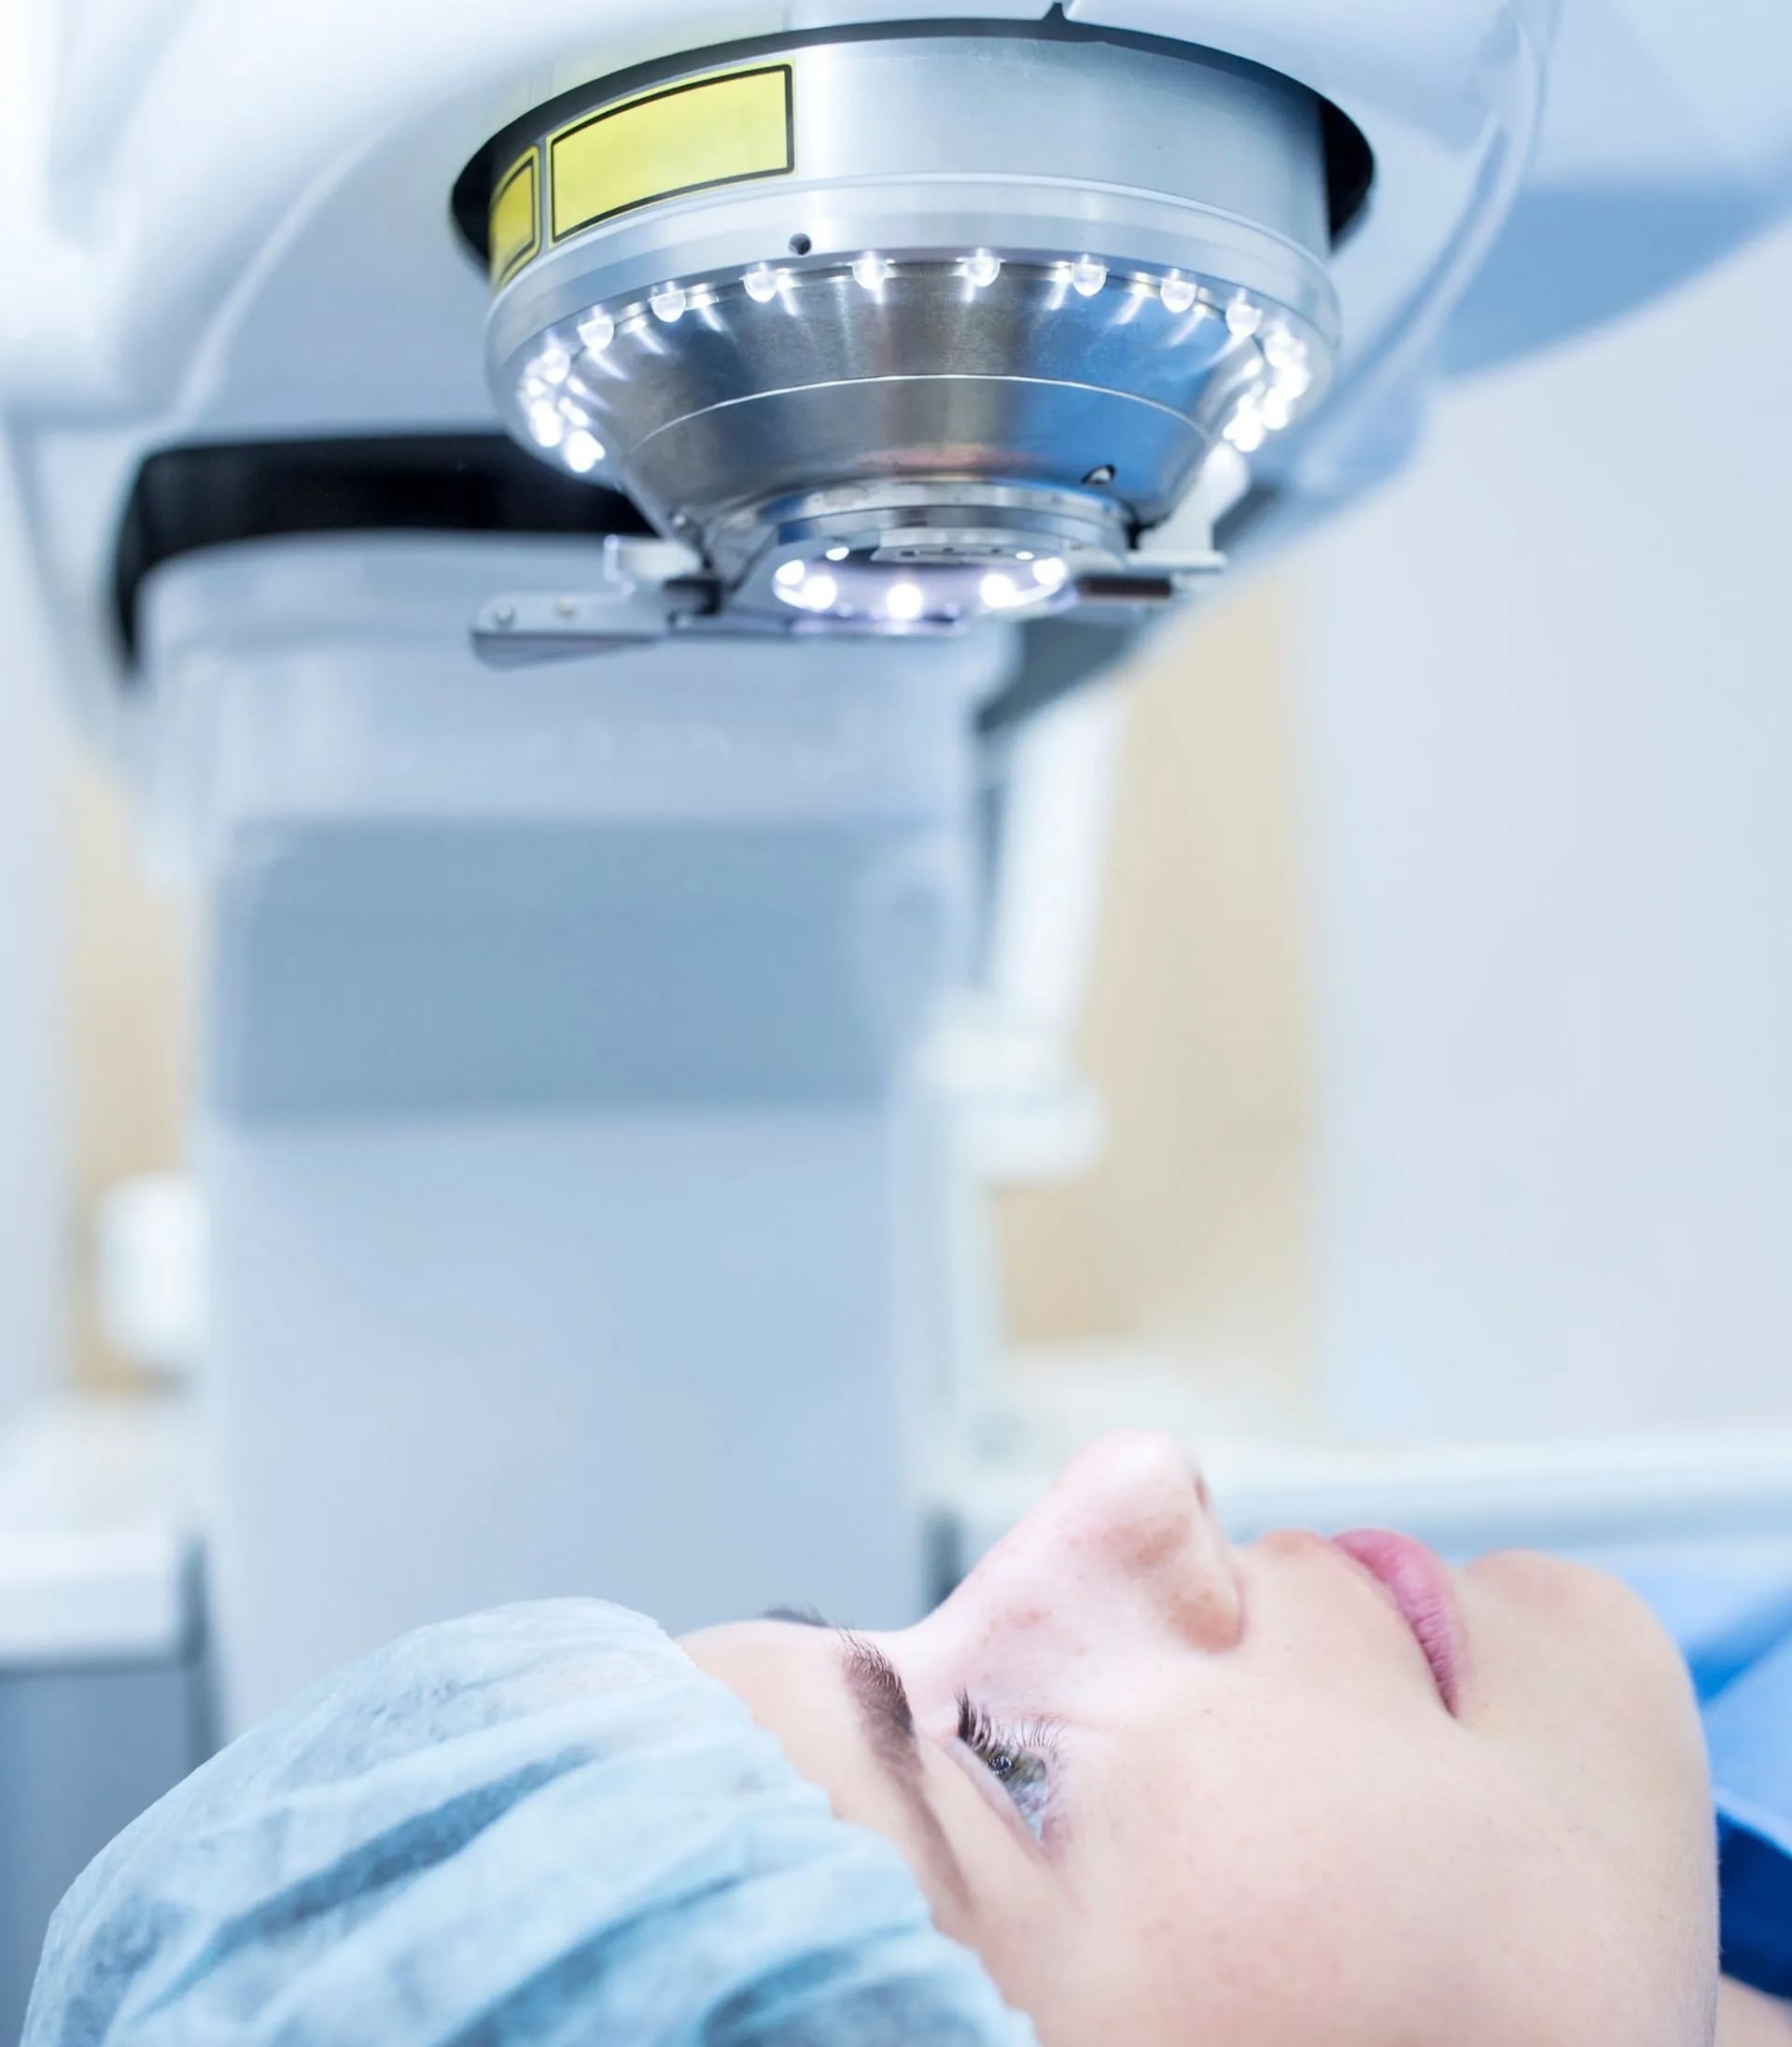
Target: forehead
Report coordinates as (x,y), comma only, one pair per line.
(785,1674)
(792,1680)
(838,1731)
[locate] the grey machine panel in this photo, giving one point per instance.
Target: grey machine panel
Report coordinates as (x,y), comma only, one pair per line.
(82,1752)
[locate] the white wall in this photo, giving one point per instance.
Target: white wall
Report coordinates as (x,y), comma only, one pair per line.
(33,1100)
(1547,704)
(32,1094)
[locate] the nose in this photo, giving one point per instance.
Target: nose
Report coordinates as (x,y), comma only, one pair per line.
(1129,1532)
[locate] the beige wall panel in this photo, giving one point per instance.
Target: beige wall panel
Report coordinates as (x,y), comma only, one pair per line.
(131,1023)
(1192,1235)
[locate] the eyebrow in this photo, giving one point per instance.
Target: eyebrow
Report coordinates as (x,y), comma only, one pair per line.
(888,1721)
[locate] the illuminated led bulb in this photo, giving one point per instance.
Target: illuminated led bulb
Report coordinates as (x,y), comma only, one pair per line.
(819,594)
(1294,381)
(546,424)
(1243,317)
(998,590)
(1275,408)
(597,331)
(668,302)
(905,601)
(1050,573)
(1087,277)
(982,269)
(583,449)
(553,364)
(534,387)
(838,553)
(1177,292)
(788,574)
(870,271)
(1283,350)
(762,283)
(1245,430)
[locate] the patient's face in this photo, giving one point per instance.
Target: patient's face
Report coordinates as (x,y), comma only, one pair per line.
(1175,1791)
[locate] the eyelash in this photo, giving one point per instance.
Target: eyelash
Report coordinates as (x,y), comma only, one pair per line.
(1020,1758)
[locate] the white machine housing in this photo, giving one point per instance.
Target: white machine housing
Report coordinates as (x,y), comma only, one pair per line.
(583,1213)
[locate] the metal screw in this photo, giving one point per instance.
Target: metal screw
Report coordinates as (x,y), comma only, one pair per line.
(564,608)
(801,245)
(504,617)
(1104,474)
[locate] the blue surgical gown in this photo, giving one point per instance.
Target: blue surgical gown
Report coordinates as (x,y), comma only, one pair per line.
(1734,1625)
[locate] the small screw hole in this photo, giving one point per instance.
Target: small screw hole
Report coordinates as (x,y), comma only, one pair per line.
(801,245)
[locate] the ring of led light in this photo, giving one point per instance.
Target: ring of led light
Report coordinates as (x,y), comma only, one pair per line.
(919,533)
(868,587)
(1009,284)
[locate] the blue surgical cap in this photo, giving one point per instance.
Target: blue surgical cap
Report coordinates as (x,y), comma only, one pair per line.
(539,1825)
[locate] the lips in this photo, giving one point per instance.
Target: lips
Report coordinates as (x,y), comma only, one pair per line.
(1419,1583)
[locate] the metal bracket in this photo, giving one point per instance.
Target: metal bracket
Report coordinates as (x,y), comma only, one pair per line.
(649,590)
(1144,581)
(643,590)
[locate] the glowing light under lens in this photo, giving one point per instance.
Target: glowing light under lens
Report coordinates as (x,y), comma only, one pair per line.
(552,363)
(982,269)
(668,302)
(762,283)
(1087,277)
(1245,430)
(998,590)
(818,592)
(905,601)
(870,271)
(1178,293)
(838,553)
(1243,317)
(1050,573)
(788,574)
(545,423)
(596,332)
(583,449)
(1283,350)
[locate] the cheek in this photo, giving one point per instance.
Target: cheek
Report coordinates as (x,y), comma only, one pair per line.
(1599,1717)
(1310,1876)
(1306,1875)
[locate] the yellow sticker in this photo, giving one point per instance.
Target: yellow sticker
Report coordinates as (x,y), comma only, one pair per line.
(516,218)
(721,129)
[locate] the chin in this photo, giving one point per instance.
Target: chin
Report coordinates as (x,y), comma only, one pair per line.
(1553,1591)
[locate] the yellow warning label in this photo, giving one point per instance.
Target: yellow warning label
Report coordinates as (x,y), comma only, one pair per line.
(516,217)
(720,130)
